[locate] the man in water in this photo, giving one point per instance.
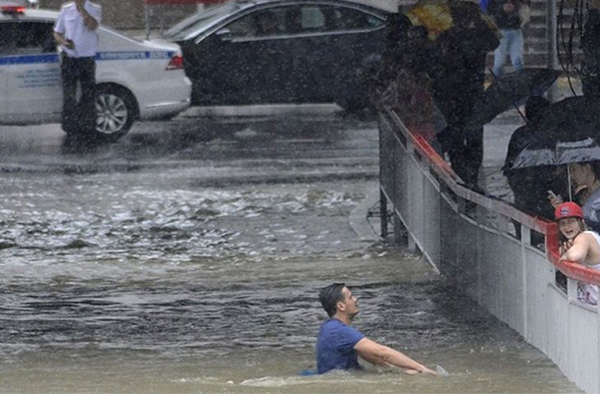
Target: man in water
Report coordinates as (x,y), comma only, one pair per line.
(338,344)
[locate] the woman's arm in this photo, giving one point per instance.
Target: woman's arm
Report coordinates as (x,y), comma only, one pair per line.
(579,250)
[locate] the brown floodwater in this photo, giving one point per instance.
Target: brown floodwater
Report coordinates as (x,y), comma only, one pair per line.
(147,283)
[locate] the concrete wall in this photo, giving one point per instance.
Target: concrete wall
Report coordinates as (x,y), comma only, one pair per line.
(470,239)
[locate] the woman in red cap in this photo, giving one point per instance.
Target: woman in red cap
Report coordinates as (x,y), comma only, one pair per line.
(578,245)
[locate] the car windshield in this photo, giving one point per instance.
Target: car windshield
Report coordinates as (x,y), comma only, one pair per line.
(199,21)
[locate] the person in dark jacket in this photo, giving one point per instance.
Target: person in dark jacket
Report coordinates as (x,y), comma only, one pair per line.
(590,44)
(530,185)
(457,69)
(510,16)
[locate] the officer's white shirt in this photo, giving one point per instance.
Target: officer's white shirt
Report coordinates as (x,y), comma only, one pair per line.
(70,24)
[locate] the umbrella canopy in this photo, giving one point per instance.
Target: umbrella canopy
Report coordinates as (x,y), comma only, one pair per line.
(566,134)
(547,151)
(509,89)
(433,14)
(436,16)
(573,118)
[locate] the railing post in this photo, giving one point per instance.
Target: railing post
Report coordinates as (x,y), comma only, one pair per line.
(525,235)
(383,214)
(571,289)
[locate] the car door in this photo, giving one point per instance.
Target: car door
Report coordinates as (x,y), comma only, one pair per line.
(332,44)
(33,72)
(245,61)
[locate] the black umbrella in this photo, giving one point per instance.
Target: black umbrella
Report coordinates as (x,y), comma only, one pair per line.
(547,151)
(573,118)
(567,133)
(508,90)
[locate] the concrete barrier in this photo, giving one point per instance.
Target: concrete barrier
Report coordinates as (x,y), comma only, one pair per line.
(472,239)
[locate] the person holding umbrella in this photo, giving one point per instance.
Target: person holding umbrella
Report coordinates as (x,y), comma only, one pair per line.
(564,139)
(578,245)
(456,67)
(530,185)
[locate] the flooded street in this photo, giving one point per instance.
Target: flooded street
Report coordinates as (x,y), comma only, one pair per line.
(199,273)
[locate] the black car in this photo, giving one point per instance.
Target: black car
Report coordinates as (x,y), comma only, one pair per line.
(280,51)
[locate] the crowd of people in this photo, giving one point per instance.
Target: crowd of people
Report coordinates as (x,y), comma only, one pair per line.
(431,75)
(437,74)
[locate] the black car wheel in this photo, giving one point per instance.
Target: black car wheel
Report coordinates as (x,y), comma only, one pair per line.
(115,111)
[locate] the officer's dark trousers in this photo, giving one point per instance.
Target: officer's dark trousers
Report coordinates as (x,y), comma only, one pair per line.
(79,112)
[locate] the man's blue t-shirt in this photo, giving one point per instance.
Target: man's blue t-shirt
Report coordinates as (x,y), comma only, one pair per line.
(335,346)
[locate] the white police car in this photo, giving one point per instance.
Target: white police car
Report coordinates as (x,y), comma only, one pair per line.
(136,80)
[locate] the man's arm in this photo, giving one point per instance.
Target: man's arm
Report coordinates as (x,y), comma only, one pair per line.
(378,354)
(88,20)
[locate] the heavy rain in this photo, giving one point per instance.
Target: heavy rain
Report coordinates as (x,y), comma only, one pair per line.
(179,244)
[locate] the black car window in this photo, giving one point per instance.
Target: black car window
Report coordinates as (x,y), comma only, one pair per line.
(312,19)
(199,21)
(263,23)
(343,18)
(26,38)
(327,18)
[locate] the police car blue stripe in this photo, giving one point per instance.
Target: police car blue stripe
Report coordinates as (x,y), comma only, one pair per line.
(101,56)
(28,59)
(133,55)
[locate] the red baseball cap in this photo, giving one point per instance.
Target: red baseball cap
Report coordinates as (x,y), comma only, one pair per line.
(568,210)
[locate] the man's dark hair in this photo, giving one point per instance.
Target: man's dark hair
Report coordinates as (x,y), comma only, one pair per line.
(330,296)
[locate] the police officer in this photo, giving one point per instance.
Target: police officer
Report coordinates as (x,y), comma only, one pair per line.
(75,32)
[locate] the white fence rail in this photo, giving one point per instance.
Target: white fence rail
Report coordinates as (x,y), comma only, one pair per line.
(472,240)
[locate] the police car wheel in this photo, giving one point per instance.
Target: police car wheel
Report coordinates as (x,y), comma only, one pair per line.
(115,111)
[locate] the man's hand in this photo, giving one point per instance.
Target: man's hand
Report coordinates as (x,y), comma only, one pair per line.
(79,5)
(61,40)
(429,371)
(424,370)
(88,20)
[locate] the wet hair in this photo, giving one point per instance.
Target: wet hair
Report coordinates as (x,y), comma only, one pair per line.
(330,296)
(535,108)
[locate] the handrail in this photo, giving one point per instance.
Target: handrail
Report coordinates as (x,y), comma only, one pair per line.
(550,229)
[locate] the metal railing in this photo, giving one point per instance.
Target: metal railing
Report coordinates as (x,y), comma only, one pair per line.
(473,240)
